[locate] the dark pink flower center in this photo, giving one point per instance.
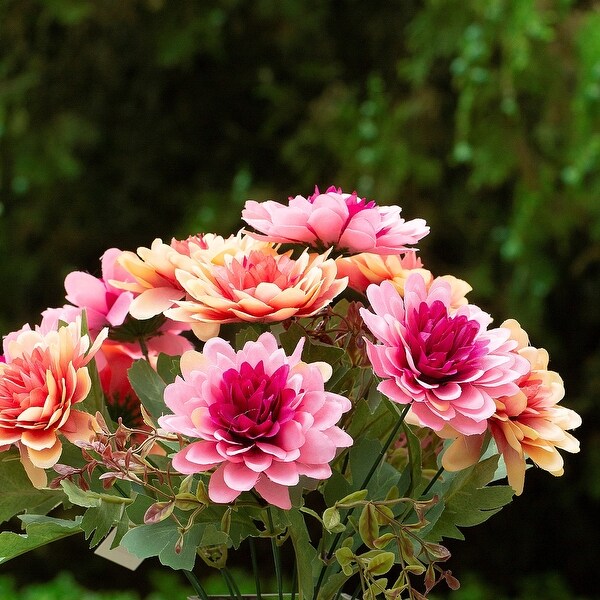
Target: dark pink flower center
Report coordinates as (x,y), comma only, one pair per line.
(253,403)
(443,348)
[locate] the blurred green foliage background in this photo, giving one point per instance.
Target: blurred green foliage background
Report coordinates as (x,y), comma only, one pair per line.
(126,120)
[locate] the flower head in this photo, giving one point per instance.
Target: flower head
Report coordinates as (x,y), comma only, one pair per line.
(444,362)
(261,417)
(105,305)
(154,270)
(44,377)
(528,423)
(335,219)
(256,287)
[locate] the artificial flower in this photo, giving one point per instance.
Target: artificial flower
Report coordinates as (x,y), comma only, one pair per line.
(526,424)
(256,287)
(105,305)
(446,363)
(261,417)
(44,377)
(346,222)
(155,270)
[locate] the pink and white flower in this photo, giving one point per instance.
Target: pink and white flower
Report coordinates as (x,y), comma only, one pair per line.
(152,273)
(442,361)
(526,424)
(260,417)
(335,219)
(45,375)
(258,287)
(105,305)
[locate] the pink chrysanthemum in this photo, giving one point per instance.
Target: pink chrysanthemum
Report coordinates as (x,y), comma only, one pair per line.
(44,377)
(528,423)
(262,418)
(256,287)
(444,362)
(334,219)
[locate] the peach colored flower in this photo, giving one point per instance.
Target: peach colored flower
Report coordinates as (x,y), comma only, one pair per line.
(334,219)
(256,287)
(153,269)
(445,363)
(526,424)
(366,268)
(44,377)
(261,417)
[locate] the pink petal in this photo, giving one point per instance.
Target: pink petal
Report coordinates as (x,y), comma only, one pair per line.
(283,473)
(273,493)
(86,291)
(154,301)
(218,490)
(239,477)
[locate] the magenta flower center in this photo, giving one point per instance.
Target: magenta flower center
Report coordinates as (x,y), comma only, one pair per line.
(444,348)
(253,403)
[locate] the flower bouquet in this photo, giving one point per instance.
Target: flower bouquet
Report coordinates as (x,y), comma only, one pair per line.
(306,387)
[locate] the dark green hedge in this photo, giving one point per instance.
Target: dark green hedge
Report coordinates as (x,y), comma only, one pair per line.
(125,120)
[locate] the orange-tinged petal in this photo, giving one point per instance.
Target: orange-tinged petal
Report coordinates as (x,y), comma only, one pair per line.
(464,451)
(46,457)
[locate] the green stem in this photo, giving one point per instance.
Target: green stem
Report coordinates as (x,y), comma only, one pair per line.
(384,449)
(294,582)
(144,348)
(234,591)
(276,555)
(254,566)
(195,583)
(432,482)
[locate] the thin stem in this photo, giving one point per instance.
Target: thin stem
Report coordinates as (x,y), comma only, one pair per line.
(276,555)
(144,348)
(432,482)
(384,449)
(294,582)
(254,566)
(195,583)
(234,591)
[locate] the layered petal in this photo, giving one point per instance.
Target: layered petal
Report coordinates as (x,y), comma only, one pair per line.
(437,356)
(346,222)
(250,413)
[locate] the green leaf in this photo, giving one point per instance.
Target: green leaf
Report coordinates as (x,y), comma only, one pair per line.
(381,563)
(90,498)
(164,540)
(362,455)
(18,495)
(78,497)
(40,530)
(307,561)
(168,367)
(368,525)
(414,486)
(149,386)
(248,334)
(337,486)
(312,351)
(99,520)
(467,500)
(332,520)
